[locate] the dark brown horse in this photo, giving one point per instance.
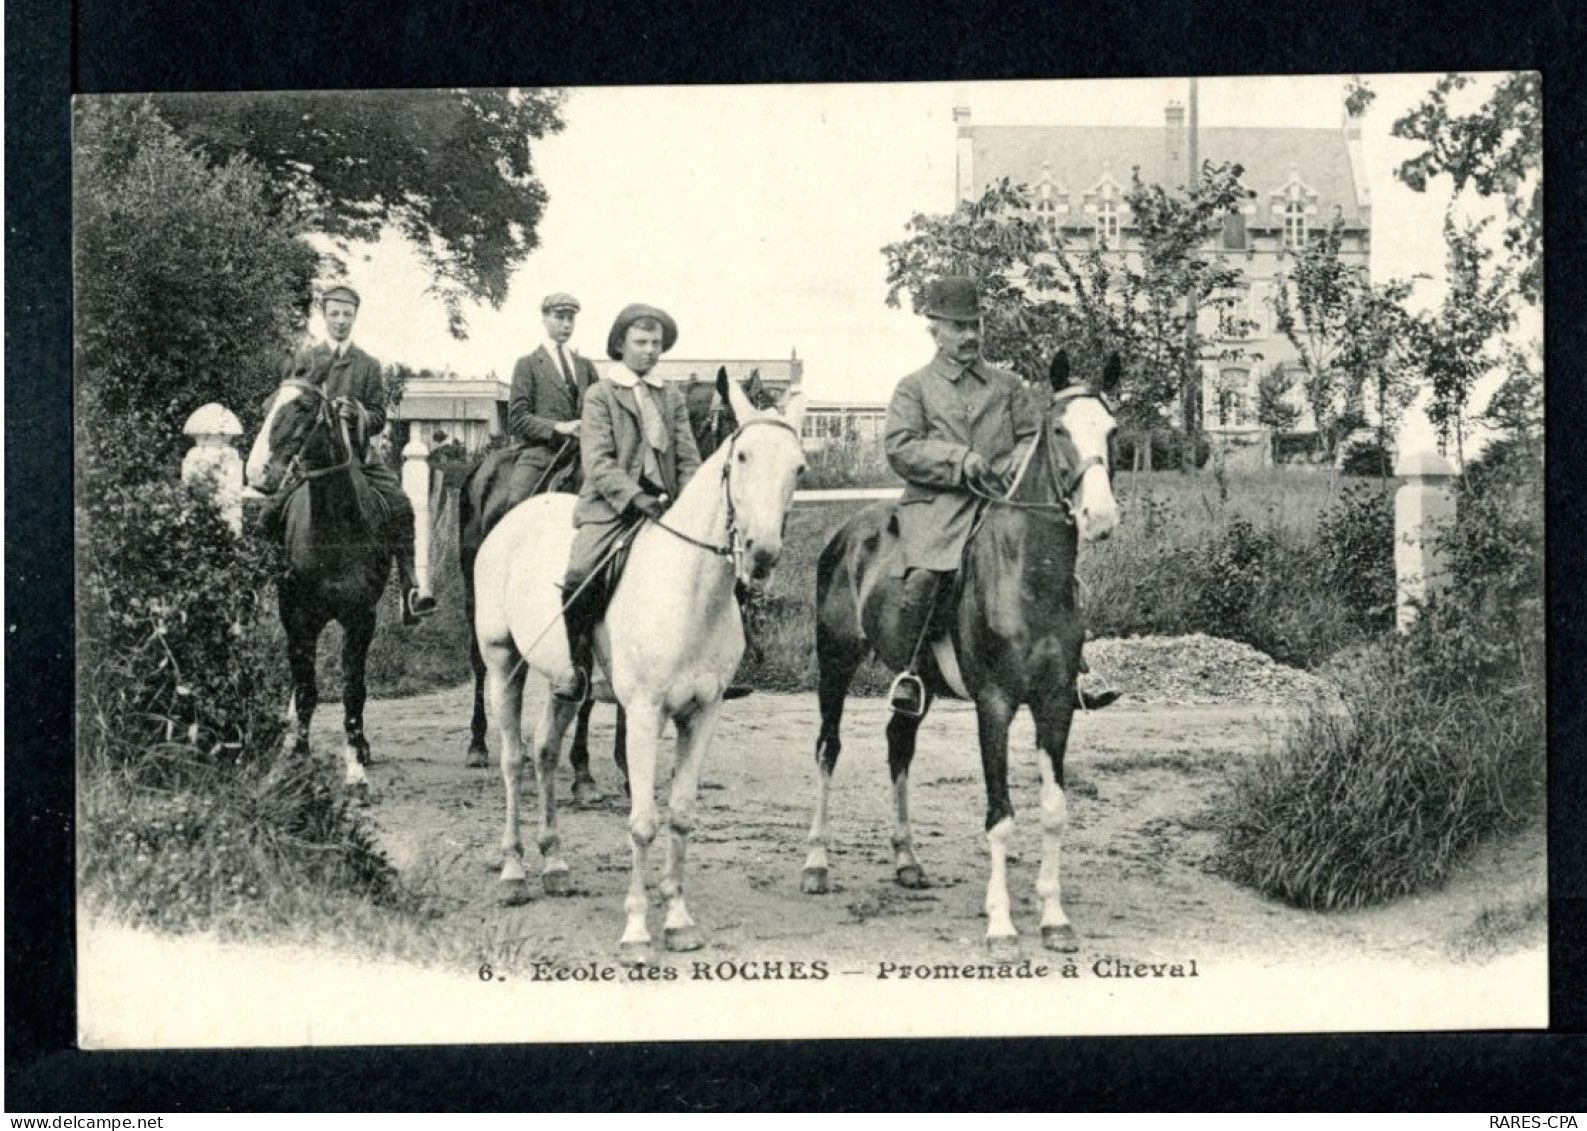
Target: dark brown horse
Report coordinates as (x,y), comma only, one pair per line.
(1013,638)
(483,500)
(338,553)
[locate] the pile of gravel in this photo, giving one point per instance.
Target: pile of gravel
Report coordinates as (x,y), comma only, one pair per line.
(1182,670)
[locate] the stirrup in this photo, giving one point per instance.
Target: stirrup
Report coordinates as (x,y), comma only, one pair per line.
(416,606)
(907,696)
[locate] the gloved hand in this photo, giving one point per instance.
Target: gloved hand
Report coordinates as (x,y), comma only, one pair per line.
(982,476)
(348,409)
(649,506)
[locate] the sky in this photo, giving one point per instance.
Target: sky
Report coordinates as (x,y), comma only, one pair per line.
(756,215)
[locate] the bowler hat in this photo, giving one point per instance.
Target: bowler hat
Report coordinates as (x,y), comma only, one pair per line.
(633,313)
(560,300)
(953,297)
(341,292)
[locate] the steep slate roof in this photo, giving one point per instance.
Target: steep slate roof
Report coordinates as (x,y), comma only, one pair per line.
(1079,156)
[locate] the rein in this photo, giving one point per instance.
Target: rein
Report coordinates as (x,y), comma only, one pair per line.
(1065,491)
(296,472)
(733,548)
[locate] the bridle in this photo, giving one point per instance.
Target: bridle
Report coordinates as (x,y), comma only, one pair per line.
(1063,491)
(735,540)
(295,470)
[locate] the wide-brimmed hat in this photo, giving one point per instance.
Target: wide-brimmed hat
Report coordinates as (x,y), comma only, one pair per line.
(954,297)
(559,300)
(341,292)
(633,313)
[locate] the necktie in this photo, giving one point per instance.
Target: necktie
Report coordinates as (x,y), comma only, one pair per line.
(650,417)
(567,376)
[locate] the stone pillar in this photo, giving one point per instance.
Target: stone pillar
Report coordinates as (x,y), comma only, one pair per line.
(213,460)
(1424,503)
(416,485)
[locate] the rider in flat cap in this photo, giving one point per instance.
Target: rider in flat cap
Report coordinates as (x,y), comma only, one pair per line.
(548,388)
(352,382)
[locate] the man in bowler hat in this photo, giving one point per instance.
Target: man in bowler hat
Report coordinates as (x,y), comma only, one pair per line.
(351,381)
(952,428)
(638,454)
(543,410)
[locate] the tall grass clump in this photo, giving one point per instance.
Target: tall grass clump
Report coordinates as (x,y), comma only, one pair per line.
(189,815)
(851,463)
(1440,739)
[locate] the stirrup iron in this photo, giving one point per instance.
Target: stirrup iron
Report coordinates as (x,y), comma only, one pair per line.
(907,684)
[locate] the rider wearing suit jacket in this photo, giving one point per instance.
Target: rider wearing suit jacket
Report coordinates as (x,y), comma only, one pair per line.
(351,380)
(638,454)
(548,388)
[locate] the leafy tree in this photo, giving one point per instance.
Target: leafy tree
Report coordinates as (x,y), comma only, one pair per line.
(1041,295)
(188,285)
(1351,337)
(1496,150)
(1452,343)
(451,170)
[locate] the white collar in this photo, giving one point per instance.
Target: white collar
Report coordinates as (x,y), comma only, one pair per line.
(625,377)
(333,345)
(551,349)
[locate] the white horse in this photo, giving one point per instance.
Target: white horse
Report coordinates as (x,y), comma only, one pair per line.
(670,643)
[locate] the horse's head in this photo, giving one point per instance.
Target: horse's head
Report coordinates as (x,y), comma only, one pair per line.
(298,429)
(763,465)
(1077,426)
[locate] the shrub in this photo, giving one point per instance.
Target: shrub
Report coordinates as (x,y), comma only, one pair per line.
(188,810)
(1170,449)
(1355,537)
(853,463)
(1367,457)
(1441,738)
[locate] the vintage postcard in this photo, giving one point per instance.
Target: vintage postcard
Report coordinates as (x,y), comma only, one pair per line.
(1041,601)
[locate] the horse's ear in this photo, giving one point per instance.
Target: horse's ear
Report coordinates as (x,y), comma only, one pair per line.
(1058,371)
(721,382)
(1112,372)
(735,397)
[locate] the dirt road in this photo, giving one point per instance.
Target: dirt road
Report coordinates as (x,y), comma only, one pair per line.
(1136,869)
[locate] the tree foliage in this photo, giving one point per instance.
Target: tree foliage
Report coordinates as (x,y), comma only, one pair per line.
(1497,151)
(1041,294)
(188,284)
(451,170)
(1352,338)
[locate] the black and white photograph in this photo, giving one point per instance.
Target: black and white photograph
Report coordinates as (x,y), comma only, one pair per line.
(965,559)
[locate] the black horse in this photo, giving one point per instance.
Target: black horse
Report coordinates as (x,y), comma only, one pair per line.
(1013,638)
(483,500)
(338,552)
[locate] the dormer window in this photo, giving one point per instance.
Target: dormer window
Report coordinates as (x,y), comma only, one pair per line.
(1050,202)
(1295,225)
(1108,221)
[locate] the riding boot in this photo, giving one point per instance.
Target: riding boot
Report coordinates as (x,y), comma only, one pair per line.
(415,605)
(579,619)
(757,654)
(907,696)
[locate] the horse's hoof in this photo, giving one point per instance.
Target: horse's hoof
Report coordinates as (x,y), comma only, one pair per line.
(586,794)
(683,938)
(513,893)
(634,954)
(478,758)
(911,876)
(814,882)
(1003,948)
(1062,939)
(556,883)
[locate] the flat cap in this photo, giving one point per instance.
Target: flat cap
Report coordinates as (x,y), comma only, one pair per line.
(559,300)
(341,292)
(633,313)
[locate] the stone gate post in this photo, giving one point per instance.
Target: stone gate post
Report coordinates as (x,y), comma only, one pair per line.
(1424,503)
(416,485)
(212,459)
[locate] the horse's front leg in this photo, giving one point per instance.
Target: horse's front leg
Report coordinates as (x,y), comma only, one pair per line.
(902,730)
(1053,714)
(303,634)
(357,633)
(548,747)
(504,680)
(646,720)
(694,737)
(585,792)
(994,710)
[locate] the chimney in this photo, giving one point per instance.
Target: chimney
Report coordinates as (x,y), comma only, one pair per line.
(1175,172)
(964,154)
